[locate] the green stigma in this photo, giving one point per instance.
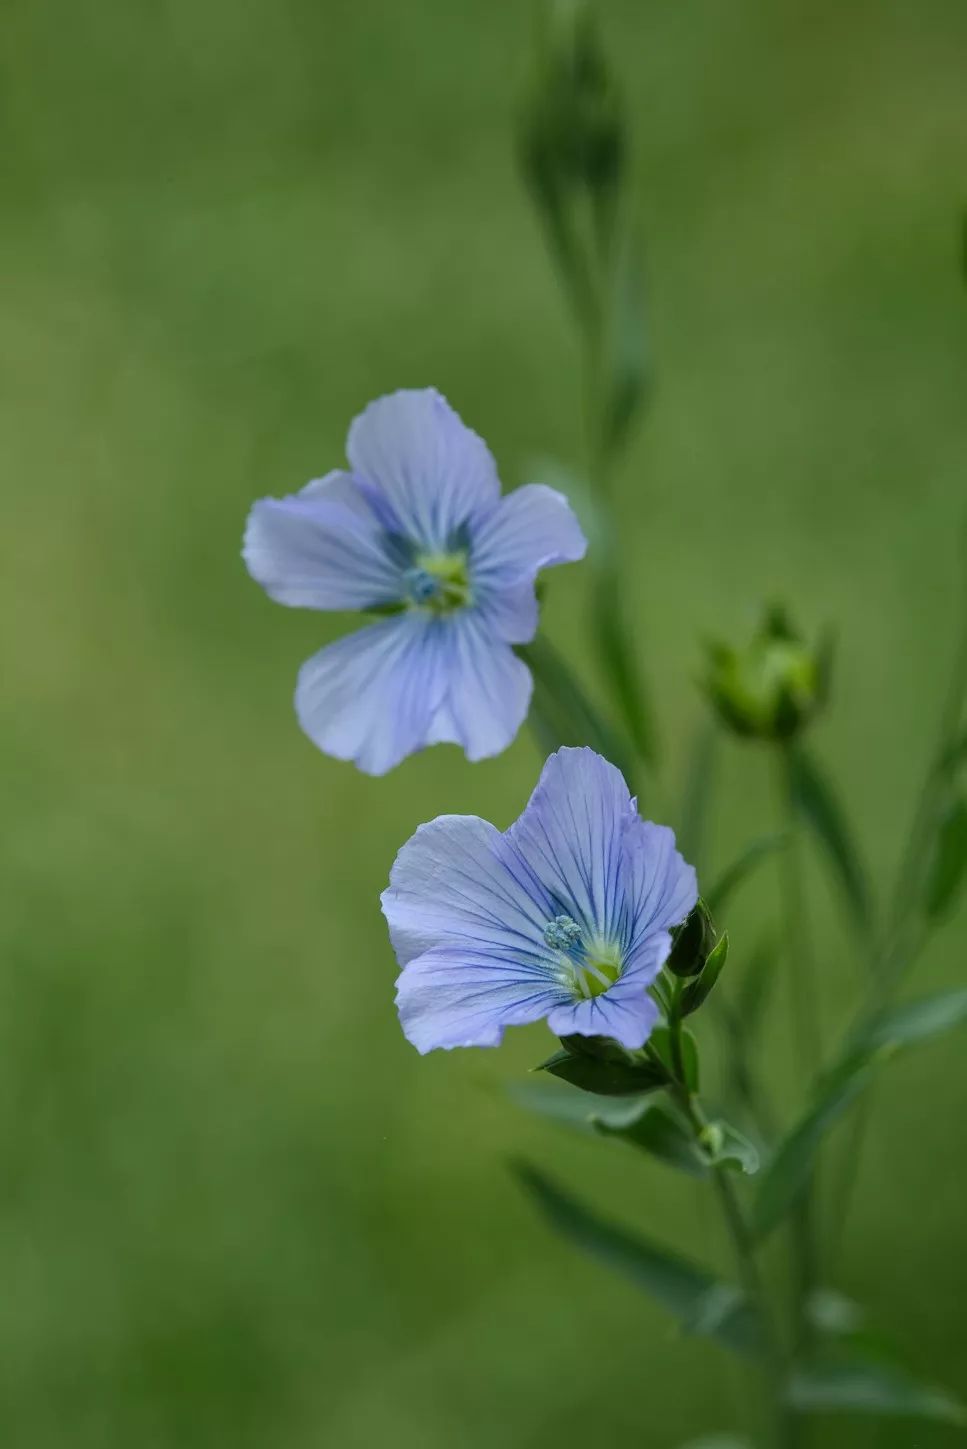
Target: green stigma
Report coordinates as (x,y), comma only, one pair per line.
(439,582)
(598,971)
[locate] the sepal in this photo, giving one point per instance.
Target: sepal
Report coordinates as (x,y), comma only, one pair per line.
(698,990)
(599,1065)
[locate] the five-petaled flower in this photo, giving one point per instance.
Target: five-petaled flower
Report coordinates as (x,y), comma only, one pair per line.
(418,531)
(566,915)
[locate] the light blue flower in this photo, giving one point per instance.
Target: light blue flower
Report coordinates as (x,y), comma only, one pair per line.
(566,915)
(417,530)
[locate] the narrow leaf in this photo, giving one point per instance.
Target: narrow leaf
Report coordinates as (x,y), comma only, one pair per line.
(606,1077)
(915,1021)
(755,983)
(677,1284)
(955,756)
(901,1026)
(949,866)
(718,1441)
(787,1173)
(697,793)
(714,1308)
(616,645)
(813,797)
(737,873)
(852,1383)
(833,1314)
(626,359)
(573,1108)
(562,714)
(656,1128)
(697,991)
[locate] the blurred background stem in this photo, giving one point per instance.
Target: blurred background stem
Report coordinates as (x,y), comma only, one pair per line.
(907,925)
(805,1027)
(781,1426)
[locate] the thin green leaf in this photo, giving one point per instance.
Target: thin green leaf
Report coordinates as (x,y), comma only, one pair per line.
(618,654)
(755,983)
(738,872)
(833,1314)
(697,991)
(787,1173)
(914,1021)
(657,1129)
(949,865)
(813,797)
(714,1308)
(955,756)
(570,1107)
(677,1284)
(615,641)
(626,359)
(719,1441)
(607,1077)
(876,1041)
(697,793)
(852,1383)
(562,714)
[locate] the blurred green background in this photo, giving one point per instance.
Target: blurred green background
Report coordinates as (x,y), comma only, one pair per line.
(237,1209)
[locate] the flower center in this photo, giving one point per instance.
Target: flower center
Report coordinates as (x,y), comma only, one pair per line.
(590,967)
(439,582)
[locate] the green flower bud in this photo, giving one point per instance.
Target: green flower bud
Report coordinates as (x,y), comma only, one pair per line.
(573,133)
(692,942)
(773,688)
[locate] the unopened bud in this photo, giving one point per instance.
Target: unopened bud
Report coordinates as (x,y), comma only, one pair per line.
(573,132)
(774,687)
(692,942)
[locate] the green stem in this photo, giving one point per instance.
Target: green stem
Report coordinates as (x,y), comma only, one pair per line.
(782,1426)
(802,984)
(785,1424)
(613,638)
(562,714)
(905,931)
(806,1033)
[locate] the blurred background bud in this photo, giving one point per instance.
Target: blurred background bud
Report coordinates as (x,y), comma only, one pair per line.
(692,942)
(572,131)
(773,688)
(573,147)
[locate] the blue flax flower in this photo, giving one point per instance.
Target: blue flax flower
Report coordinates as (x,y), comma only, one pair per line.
(418,531)
(566,915)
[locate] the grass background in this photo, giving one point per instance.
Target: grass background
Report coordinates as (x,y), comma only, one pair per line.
(235,1207)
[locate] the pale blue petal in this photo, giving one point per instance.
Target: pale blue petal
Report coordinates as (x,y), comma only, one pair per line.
(530,529)
(625,1011)
(453,996)
(425,471)
(488,688)
(458,880)
(571,835)
(661,888)
(626,1016)
(469,908)
(372,696)
(323,548)
(511,611)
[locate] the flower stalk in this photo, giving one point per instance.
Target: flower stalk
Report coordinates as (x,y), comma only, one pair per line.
(780,1423)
